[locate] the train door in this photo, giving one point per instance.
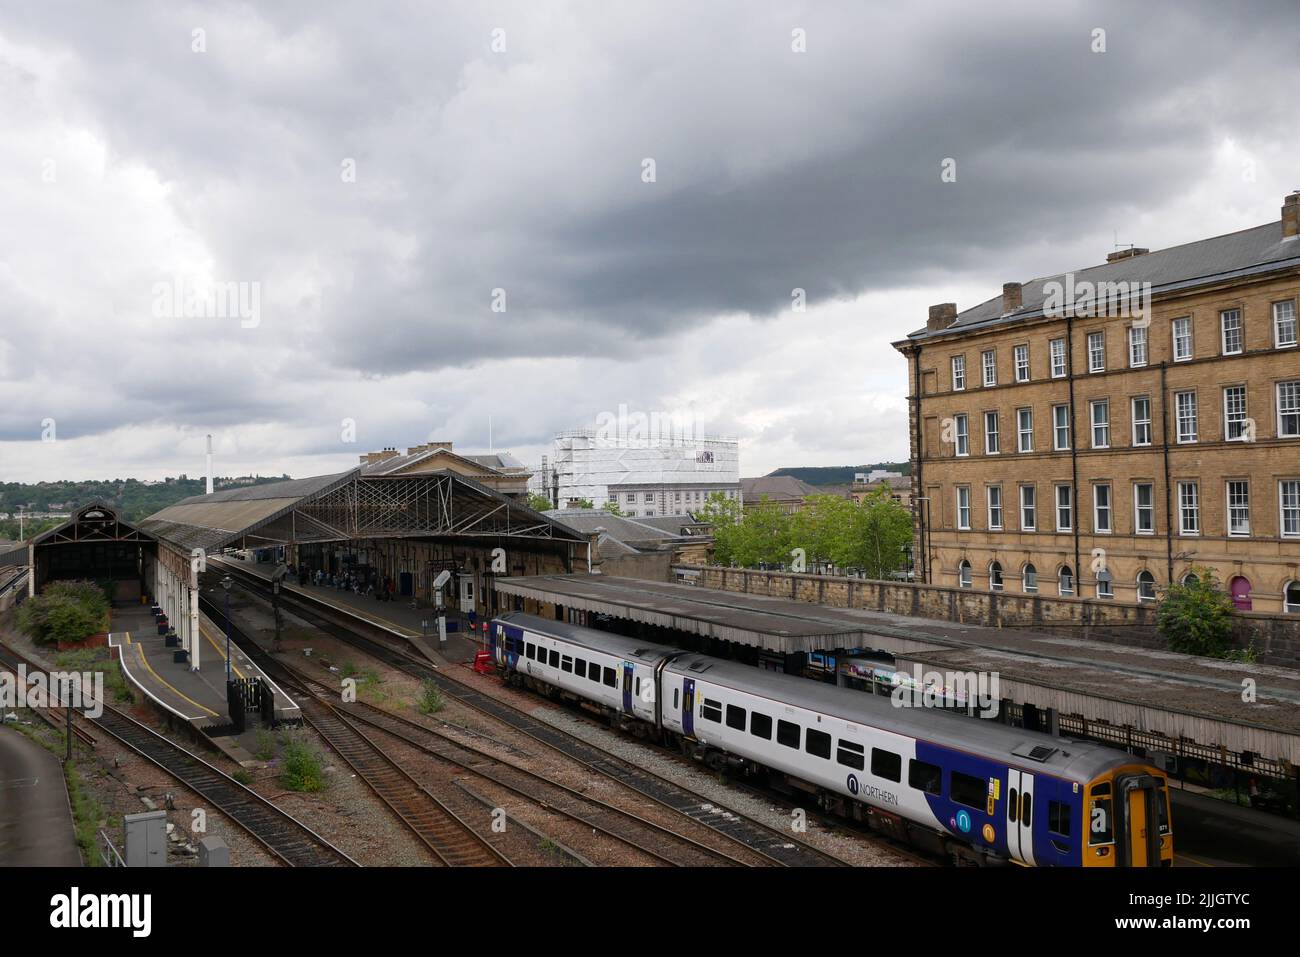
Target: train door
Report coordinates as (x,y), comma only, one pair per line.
(1020,816)
(688,707)
(1140,835)
(627,687)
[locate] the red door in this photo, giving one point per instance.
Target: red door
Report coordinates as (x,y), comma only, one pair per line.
(1239,588)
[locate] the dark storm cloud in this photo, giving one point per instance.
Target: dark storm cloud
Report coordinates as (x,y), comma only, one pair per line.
(521,171)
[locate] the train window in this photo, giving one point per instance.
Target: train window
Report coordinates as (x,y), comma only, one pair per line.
(1058,818)
(555,658)
(925,776)
(787,733)
(636,686)
(711,710)
(579,667)
(566,663)
(967,790)
(852,755)
(735,717)
(760,726)
(1026,809)
(1101,827)
(593,673)
(676,692)
(818,743)
(530,650)
(610,680)
(1162,809)
(886,764)
(1013,805)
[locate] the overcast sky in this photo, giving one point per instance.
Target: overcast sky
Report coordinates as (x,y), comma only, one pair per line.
(374,172)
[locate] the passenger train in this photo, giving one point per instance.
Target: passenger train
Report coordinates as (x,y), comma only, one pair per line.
(977,791)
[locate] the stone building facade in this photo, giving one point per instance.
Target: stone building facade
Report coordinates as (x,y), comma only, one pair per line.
(1101,433)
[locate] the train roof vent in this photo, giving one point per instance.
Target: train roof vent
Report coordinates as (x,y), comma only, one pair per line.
(701,665)
(1037,752)
(639,652)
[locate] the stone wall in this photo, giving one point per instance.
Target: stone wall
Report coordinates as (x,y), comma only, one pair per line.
(1276,638)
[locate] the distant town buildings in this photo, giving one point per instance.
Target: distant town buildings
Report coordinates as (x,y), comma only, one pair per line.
(1101,434)
(644,475)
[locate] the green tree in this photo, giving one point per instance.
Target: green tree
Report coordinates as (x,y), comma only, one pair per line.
(539,503)
(1195,617)
(823,528)
(584,503)
(724,514)
(765,535)
(612,507)
(880,529)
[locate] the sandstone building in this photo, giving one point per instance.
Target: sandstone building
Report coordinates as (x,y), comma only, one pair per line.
(1101,433)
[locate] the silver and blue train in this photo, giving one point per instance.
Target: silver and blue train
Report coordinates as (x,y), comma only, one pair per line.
(978,791)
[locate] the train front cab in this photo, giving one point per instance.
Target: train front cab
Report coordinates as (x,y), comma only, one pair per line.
(1128,819)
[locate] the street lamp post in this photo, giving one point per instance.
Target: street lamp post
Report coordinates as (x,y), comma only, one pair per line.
(226,583)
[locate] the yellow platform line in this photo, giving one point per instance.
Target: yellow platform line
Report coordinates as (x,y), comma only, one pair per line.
(212,641)
(144,660)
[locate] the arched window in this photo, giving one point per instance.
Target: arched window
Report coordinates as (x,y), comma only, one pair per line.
(1065,581)
(1105,586)
(1190,579)
(1239,589)
(963,574)
(1291,598)
(995,576)
(1031,579)
(1146,586)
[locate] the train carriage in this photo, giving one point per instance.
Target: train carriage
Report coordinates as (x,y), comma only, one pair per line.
(980,791)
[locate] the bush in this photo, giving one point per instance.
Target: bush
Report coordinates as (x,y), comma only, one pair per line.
(301,768)
(430,698)
(64,612)
(1195,618)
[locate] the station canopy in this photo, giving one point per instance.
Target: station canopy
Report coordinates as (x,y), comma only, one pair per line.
(351,506)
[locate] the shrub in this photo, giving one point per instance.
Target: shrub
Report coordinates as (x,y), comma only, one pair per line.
(64,612)
(430,698)
(1195,618)
(301,768)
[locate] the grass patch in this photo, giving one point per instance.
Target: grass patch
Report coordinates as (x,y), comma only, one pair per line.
(98,660)
(430,698)
(348,669)
(242,776)
(264,750)
(87,815)
(371,685)
(301,768)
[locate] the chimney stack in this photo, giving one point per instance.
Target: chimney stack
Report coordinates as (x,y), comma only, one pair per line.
(1291,216)
(1129,253)
(1013,296)
(942,316)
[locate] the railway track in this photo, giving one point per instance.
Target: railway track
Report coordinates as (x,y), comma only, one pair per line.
(776,846)
(656,841)
(285,837)
(452,841)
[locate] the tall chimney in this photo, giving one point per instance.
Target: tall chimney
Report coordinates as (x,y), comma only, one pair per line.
(1013,296)
(942,316)
(209,465)
(1291,216)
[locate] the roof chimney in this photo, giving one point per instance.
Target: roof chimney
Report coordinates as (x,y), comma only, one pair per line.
(941,316)
(1291,216)
(1013,296)
(1129,253)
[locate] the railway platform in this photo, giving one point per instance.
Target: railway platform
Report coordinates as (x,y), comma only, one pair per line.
(195,697)
(418,626)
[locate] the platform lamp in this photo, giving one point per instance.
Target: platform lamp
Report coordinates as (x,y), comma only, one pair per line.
(226,583)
